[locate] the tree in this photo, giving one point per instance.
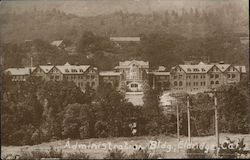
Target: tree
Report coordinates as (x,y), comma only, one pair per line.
(76,121)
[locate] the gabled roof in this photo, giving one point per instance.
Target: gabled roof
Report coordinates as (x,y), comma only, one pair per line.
(223,67)
(109,73)
(47,68)
(19,71)
(72,69)
(125,39)
(241,69)
(57,43)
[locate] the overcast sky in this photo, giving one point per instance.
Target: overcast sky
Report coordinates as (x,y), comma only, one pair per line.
(98,7)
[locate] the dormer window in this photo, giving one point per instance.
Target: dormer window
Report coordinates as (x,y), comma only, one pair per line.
(189,70)
(73,70)
(81,70)
(203,69)
(66,70)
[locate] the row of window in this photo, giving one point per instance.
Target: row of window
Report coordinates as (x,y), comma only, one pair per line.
(231,75)
(196,83)
(214,76)
(80,77)
(195,76)
(18,77)
(216,82)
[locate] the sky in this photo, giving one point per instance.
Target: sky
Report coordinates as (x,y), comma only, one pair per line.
(99,7)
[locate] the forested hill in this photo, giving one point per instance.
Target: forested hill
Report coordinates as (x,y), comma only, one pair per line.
(54,24)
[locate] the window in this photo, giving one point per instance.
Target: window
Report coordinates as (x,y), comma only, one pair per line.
(88,77)
(180,83)
(212,82)
(233,75)
(211,76)
(93,84)
(81,70)
(51,77)
(134,85)
(228,75)
(175,83)
(92,77)
(217,82)
(189,70)
(175,77)
(66,70)
(216,76)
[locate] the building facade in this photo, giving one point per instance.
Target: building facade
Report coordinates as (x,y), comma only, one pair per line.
(202,77)
(132,75)
(19,74)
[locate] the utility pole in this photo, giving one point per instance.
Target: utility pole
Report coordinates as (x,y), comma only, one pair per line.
(216,118)
(178,122)
(188,116)
(216,124)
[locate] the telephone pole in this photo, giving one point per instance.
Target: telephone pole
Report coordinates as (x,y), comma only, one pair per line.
(216,118)
(216,124)
(178,122)
(188,116)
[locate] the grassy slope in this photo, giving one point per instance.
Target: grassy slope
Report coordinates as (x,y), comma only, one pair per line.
(143,141)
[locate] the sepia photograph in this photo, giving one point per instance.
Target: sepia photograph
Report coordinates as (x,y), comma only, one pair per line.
(124,79)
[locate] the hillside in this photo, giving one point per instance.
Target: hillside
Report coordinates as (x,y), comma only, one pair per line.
(51,24)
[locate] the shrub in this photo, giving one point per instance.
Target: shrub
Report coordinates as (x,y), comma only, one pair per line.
(152,128)
(143,154)
(197,152)
(115,154)
(230,149)
(41,154)
(77,155)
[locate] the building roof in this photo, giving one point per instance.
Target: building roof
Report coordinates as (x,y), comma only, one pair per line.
(126,64)
(46,68)
(161,73)
(198,68)
(241,69)
(223,67)
(19,71)
(72,69)
(109,73)
(57,43)
(125,39)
